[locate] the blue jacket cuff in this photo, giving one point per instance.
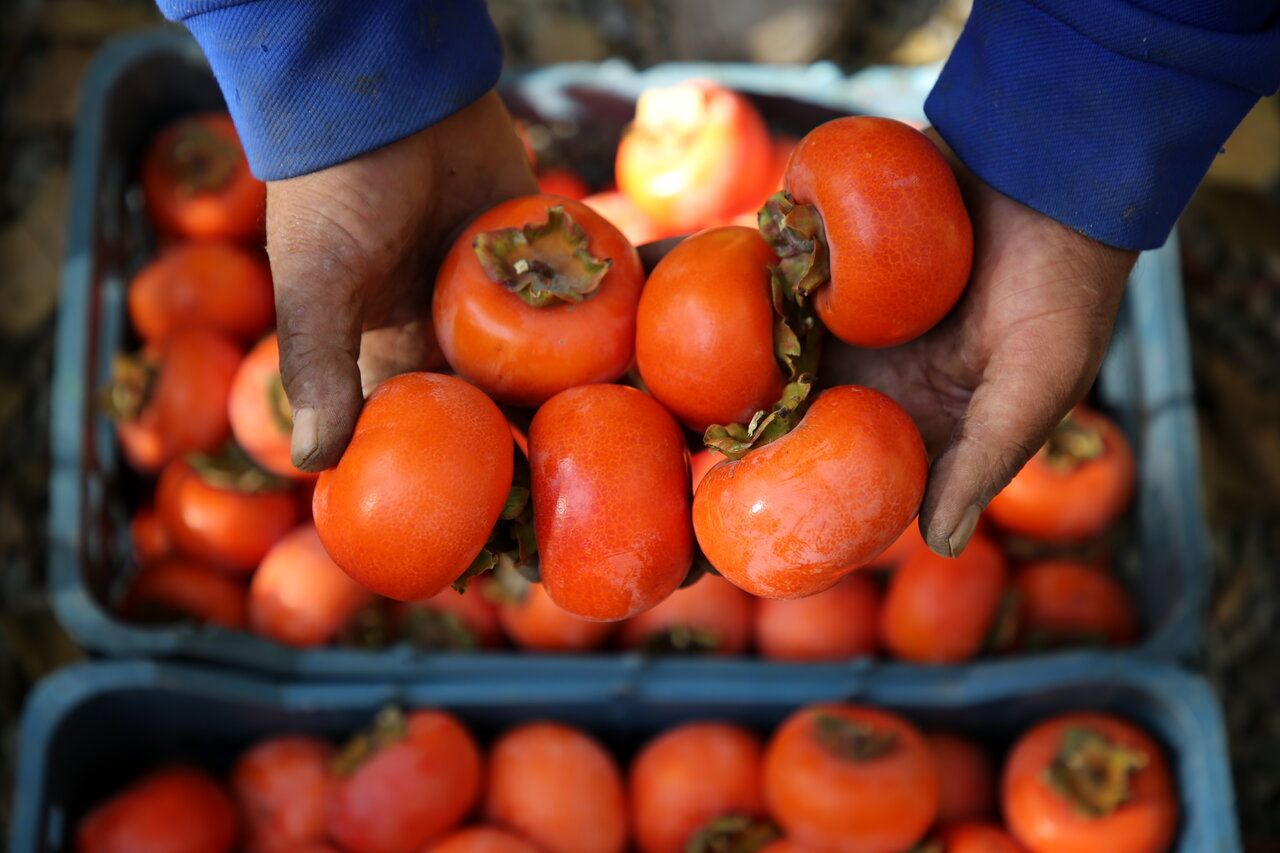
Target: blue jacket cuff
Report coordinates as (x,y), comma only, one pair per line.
(311,84)
(1103,115)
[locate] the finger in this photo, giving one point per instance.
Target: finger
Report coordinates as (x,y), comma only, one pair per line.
(394,349)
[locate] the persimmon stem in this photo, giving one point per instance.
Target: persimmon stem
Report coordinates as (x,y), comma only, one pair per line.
(1092,772)
(388,728)
(133,378)
(438,630)
(733,834)
(544,264)
(512,539)
(1073,443)
(202,161)
(232,469)
(852,741)
(796,234)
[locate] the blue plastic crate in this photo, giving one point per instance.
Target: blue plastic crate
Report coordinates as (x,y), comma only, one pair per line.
(91,729)
(140,82)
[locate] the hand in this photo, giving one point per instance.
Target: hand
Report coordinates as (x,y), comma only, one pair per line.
(989,383)
(354,250)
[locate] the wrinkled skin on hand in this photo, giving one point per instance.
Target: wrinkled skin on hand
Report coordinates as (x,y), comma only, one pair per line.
(354,249)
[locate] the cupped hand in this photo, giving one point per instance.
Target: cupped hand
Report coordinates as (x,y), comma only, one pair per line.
(988,384)
(354,249)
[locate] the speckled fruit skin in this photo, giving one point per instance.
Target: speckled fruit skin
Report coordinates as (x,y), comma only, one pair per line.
(704,331)
(793,517)
(1046,822)
(900,240)
(610,481)
(419,488)
(523,355)
(835,805)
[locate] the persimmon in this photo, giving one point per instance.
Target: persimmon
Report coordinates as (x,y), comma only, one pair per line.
(710,615)
(903,547)
(687,777)
(873,226)
(151,541)
(203,284)
(417,492)
(559,788)
(1083,782)
(793,517)
(261,417)
(534,622)
(452,620)
(785,845)
(966,778)
(171,399)
(218,510)
(1075,487)
(407,782)
(621,212)
(702,462)
(174,810)
(299,596)
(563,182)
(196,181)
(482,839)
(696,153)
(940,610)
(538,295)
(610,486)
(1062,602)
(176,587)
(705,329)
(976,837)
(835,624)
(281,786)
(851,779)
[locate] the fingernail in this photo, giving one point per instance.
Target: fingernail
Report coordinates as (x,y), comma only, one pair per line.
(960,537)
(306,436)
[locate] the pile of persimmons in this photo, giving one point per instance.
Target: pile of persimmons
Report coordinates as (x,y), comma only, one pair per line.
(655,461)
(833,777)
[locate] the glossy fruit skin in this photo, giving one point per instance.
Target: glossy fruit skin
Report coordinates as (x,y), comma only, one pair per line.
(206,285)
(1070,506)
(976,837)
(900,240)
(793,517)
(226,527)
(563,182)
(836,624)
(281,786)
(966,778)
(175,810)
(232,209)
(151,540)
(299,596)
(718,167)
(523,355)
(687,777)
(878,805)
(702,462)
(557,787)
(940,610)
(610,501)
(475,613)
(538,624)
(193,589)
(482,839)
(408,793)
(620,211)
(1061,601)
(711,605)
(704,330)
(256,420)
(416,494)
(1046,822)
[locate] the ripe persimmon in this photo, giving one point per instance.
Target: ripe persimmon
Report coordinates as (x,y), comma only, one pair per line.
(702,462)
(261,417)
(196,181)
(1063,602)
(851,779)
(534,622)
(709,615)
(174,810)
(977,837)
(610,485)
(836,624)
(203,284)
(705,328)
(451,620)
(538,295)
(151,540)
(1075,487)
(966,778)
(176,587)
(482,839)
(281,786)
(793,517)
(565,183)
(621,212)
(559,788)
(417,492)
(1083,782)
(940,610)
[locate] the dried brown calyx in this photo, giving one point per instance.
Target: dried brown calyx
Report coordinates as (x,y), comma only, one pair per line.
(849,740)
(438,630)
(512,542)
(681,640)
(1072,443)
(544,264)
(733,834)
(389,727)
(232,469)
(202,161)
(796,234)
(132,379)
(1092,772)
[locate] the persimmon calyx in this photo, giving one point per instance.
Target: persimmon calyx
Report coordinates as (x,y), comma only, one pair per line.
(1073,443)
(438,630)
(368,628)
(928,847)
(278,404)
(681,639)
(389,727)
(512,540)
(733,833)
(734,441)
(202,161)
(231,469)
(132,380)
(1092,773)
(544,264)
(796,234)
(852,741)
(507,585)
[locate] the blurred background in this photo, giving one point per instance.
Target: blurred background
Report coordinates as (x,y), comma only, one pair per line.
(1230,240)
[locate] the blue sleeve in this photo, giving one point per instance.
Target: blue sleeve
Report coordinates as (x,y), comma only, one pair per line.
(1104,114)
(311,83)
